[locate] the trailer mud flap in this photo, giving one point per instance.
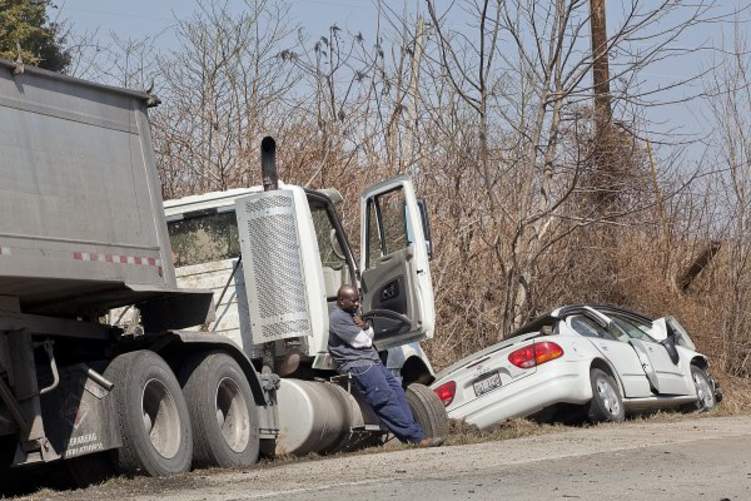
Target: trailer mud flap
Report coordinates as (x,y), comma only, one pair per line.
(79,415)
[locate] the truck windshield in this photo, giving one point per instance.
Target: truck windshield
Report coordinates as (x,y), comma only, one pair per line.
(203,239)
(214,237)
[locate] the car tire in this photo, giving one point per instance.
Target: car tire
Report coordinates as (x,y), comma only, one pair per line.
(606,404)
(152,416)
(705,390)
(222,410)
(428,410)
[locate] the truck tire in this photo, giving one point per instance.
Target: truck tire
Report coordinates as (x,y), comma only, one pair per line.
(222,411)
(153,416)
(428,410)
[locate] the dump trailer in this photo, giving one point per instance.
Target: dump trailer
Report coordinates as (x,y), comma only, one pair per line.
(106,364)
(82,232)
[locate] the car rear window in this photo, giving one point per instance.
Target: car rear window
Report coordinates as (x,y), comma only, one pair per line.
(588,328)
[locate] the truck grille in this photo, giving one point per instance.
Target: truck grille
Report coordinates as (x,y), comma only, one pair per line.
(273,271)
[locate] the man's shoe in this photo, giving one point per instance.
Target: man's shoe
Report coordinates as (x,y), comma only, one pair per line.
(437,441)
(430,442)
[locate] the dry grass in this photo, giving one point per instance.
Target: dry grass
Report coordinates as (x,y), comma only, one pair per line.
(461,433)
(737,395)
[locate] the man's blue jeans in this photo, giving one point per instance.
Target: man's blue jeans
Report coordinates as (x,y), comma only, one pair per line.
(385,395)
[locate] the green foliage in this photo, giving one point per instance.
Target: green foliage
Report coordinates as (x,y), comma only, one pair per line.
(25,23)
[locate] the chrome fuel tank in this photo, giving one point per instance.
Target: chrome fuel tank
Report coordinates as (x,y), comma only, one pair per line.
(317,416)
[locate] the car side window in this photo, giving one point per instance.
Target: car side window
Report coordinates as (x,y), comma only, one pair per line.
(588,328)
(633,329)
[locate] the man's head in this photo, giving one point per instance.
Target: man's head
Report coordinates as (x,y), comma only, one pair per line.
(348,298)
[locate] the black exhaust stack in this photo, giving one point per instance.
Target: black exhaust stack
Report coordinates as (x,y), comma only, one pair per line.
(268,164)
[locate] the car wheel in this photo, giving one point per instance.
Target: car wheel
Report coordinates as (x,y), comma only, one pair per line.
(222,411)
(704,390)
(606,404)
(153,416)
(428,410)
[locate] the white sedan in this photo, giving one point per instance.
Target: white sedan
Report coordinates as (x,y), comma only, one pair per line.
(597,362)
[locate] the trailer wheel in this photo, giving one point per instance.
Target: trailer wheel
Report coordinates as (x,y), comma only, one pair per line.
(153,416)
(428,410)
(222,411)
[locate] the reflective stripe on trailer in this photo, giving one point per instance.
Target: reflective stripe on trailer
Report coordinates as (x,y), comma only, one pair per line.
(118,259)
(103,258)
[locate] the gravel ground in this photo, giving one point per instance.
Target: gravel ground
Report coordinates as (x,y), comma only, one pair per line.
(563,457)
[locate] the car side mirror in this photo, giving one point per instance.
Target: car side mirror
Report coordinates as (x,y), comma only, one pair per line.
(426,226)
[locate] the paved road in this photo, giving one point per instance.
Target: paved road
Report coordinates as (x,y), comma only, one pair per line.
(702,459)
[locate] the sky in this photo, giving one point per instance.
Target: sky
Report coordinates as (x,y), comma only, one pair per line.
(140,18)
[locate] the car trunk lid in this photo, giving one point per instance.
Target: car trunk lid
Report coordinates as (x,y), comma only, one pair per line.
(486,370)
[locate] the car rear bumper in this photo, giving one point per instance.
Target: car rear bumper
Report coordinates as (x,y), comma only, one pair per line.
(564,382)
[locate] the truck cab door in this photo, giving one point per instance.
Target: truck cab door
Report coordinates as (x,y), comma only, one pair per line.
(394,262)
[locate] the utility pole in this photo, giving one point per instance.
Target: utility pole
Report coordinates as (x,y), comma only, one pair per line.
(602,154)
(414,90)
(600,70)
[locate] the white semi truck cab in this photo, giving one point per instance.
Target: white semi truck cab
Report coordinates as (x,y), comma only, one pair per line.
(275,260)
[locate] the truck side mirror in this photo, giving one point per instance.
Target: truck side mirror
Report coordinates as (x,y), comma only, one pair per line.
(426,226)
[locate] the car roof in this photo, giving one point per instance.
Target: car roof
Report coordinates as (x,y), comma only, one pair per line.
(617,310)
(563,312)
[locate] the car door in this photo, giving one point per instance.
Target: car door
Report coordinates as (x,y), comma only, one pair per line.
(395,272)
(665,326)
(618,352)
(667,376)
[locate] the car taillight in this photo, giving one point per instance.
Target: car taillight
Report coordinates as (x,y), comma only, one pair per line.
(446,392)
(535,354)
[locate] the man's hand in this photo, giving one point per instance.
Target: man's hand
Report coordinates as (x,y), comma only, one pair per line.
(360,322)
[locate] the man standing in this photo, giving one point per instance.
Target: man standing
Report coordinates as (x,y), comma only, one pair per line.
(351,347)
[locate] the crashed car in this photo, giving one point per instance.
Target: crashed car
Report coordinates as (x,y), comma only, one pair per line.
(595,362)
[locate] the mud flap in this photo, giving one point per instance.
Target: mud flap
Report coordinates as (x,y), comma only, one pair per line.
(79,414)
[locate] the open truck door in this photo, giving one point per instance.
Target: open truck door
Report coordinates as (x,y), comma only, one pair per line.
(395,250)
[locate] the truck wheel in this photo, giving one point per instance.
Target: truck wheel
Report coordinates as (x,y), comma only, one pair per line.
(153,417)
(428,410)
(222,411)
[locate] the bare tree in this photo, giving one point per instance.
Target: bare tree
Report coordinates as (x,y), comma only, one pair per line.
(488,104)
(219,91)
(730,100)
(520,72)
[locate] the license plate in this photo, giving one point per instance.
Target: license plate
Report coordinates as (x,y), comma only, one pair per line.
(489,382)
